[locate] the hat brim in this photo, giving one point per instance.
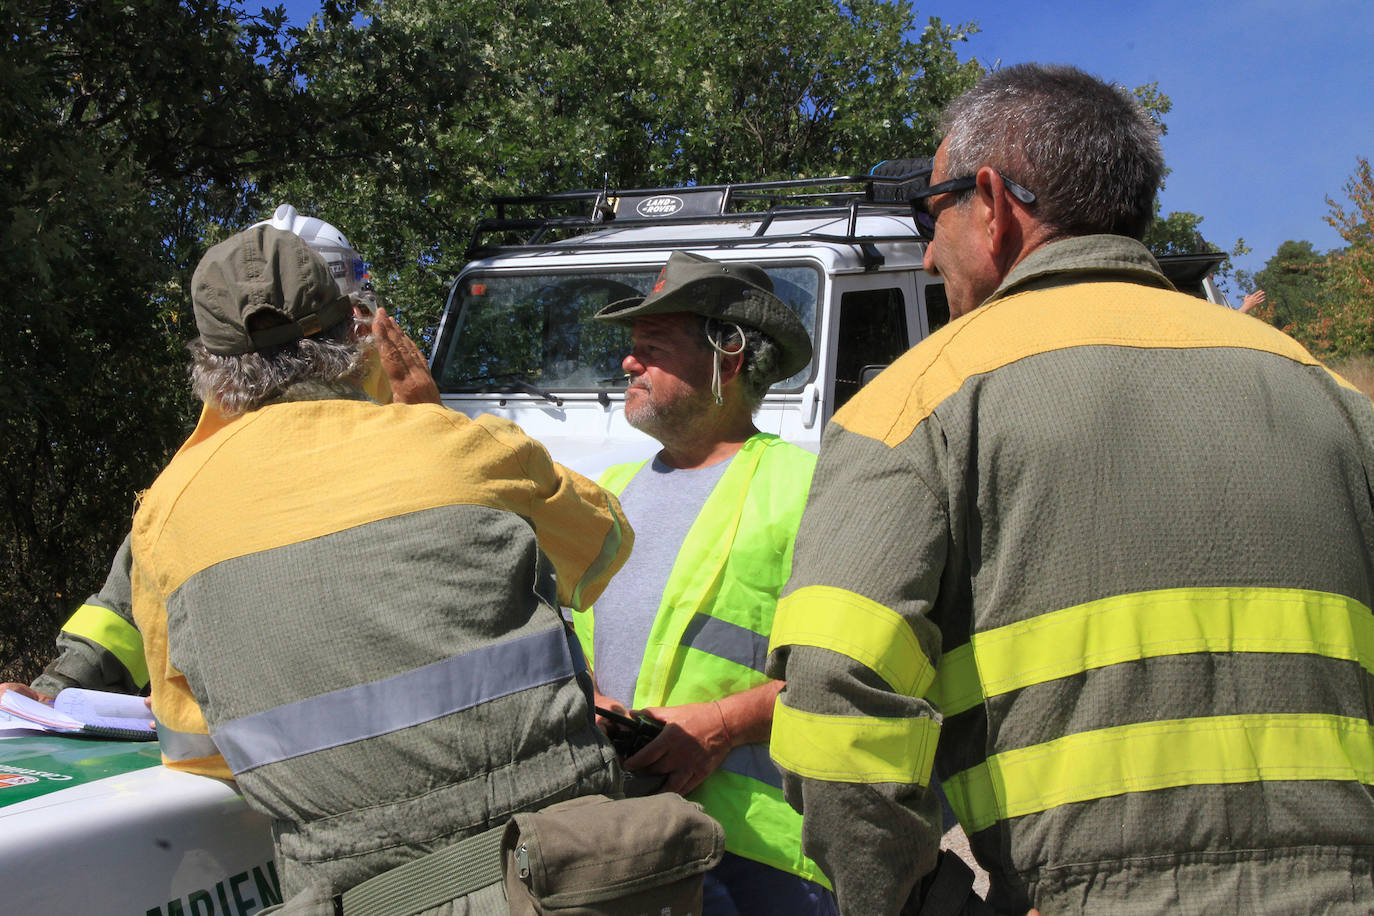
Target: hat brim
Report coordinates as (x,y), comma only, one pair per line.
(749,305)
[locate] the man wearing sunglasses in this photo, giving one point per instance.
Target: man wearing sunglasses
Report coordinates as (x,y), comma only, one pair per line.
(1094,554)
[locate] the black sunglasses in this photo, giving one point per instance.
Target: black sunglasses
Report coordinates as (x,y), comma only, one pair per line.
(921,215)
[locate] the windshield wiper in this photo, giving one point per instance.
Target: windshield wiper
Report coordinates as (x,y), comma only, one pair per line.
(510,383)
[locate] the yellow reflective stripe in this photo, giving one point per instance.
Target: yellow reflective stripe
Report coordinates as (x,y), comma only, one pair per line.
(1211,750)
(853,748)
(1152,624)
(861,628)
(113,633)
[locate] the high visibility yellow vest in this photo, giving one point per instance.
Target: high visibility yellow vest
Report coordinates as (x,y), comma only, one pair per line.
(710,636)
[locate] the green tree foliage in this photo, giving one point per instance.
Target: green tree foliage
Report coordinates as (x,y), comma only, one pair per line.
(132,132)
(746,91)
(1155,103)
(1294,281)
(1348,308)
(93,228)
(572,94)
(1179,233)
(1326,301)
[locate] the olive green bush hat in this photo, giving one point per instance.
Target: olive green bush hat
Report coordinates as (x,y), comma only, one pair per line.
(263,272)
(739,293)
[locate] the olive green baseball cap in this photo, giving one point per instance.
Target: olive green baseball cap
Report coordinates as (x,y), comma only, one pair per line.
(267,278)
(729,291)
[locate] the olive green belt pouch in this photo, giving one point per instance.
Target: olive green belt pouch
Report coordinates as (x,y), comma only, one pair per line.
(596,856)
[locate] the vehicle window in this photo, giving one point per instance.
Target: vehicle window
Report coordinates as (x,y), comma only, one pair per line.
(799,287)
(937,306)
(872,332)
(538,329)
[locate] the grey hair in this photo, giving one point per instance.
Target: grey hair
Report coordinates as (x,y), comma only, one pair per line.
(1087,150)
(238,384)
(761,356)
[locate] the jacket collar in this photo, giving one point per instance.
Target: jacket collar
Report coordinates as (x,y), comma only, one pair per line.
(1083,259)
(313,390)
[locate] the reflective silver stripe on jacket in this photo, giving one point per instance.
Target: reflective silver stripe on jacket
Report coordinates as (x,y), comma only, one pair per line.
(381,707)
(177,745)
(752,760)
(726,640)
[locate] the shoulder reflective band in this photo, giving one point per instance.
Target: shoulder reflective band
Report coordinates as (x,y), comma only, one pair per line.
(752,760)
(381,707)
(726,640)
(113,633)
(866,631)
(179,746)
(853,748)
(1149,625)
(1213,750)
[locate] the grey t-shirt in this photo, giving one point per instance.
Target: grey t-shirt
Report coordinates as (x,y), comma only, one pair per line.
(661,503)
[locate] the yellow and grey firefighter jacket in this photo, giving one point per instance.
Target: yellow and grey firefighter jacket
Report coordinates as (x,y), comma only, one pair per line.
(1100,554)
(710,636)
(358,605)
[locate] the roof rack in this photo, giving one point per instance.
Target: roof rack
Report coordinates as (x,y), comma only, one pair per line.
(552,219)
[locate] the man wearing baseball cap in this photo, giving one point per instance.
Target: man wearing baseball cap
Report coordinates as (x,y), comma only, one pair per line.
(352,608)
(99,648)
(681,634)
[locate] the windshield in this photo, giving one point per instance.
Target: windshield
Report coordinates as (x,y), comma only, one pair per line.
(514,331)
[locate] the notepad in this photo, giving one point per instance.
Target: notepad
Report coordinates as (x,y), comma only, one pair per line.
(85,712)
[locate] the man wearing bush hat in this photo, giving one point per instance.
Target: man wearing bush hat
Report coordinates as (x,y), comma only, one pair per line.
(352,608)
(681,634)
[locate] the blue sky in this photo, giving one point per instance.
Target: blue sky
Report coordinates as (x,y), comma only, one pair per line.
(1273,101)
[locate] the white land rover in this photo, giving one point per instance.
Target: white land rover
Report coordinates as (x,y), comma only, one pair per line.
(517,338)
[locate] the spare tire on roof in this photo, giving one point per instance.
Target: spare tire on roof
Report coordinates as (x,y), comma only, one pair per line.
(895,168)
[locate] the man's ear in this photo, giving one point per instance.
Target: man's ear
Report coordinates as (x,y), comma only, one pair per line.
(1003,229)
(730,366)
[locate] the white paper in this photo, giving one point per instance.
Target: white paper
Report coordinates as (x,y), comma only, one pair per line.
(21,706)
(104,709)
(78,710)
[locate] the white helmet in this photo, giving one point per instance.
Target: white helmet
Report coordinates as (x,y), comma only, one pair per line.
(344,263)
